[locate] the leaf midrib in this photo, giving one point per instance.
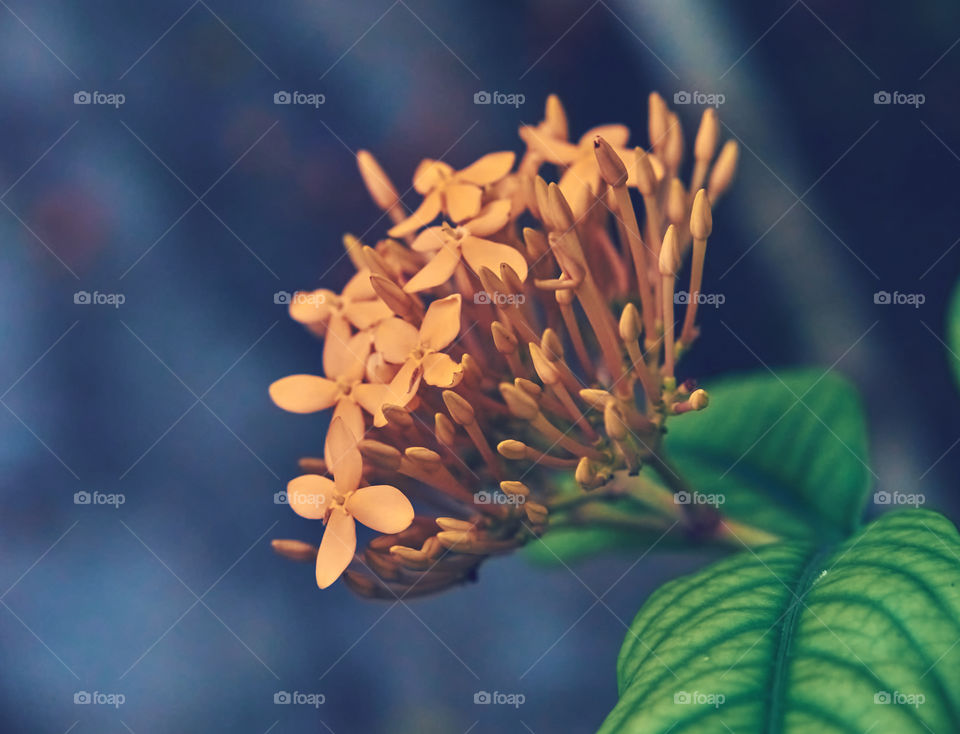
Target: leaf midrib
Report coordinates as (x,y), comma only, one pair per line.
(780,673)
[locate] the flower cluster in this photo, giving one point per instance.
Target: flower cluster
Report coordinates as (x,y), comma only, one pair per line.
(507,335)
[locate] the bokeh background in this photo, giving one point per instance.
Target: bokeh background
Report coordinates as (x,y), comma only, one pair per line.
(199,198)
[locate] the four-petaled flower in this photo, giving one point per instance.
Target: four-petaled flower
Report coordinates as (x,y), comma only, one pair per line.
(457,193)
(418,350)
(341,502)
(448,245)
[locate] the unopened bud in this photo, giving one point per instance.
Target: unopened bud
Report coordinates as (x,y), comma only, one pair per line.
(376,180)
(512,449)
(699,399)
(518,402)
(705,144)
(295,550)
(701,218)
(460,410)
(630,324)
(723,170)
(670,253)
(612,170)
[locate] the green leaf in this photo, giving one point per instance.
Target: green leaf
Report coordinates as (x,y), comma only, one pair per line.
(953,332)
(788,454)
(797,637)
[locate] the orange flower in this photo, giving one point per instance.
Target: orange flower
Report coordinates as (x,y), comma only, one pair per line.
(586,424)
(359,305)
(466,242)
(418,350)
(457,193)
(342,502)
(582,175)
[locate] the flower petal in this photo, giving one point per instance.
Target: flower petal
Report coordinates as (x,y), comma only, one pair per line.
(401,390)
(550,149)
(430,239)
(430,174)
(358,288)
(492,218)
(462,201)
(481,253)
(488,169)
(341,352)
(346,463)
(381,507)
(349,411)
(308,307)
(395,339)
(441,322)
(304,393)
(436,272)
(427,211)
(309,495)
(337,547)
(440,370)
(364,314)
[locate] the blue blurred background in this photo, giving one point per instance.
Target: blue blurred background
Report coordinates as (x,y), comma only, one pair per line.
(198,198)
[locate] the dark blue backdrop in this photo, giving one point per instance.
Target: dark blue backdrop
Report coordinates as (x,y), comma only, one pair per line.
(198,198)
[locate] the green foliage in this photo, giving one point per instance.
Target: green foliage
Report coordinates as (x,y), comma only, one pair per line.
(787,453)
(802,637)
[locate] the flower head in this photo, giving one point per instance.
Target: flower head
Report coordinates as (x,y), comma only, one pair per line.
(512,364)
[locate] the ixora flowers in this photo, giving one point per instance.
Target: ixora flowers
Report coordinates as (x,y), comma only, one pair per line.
(506,354)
